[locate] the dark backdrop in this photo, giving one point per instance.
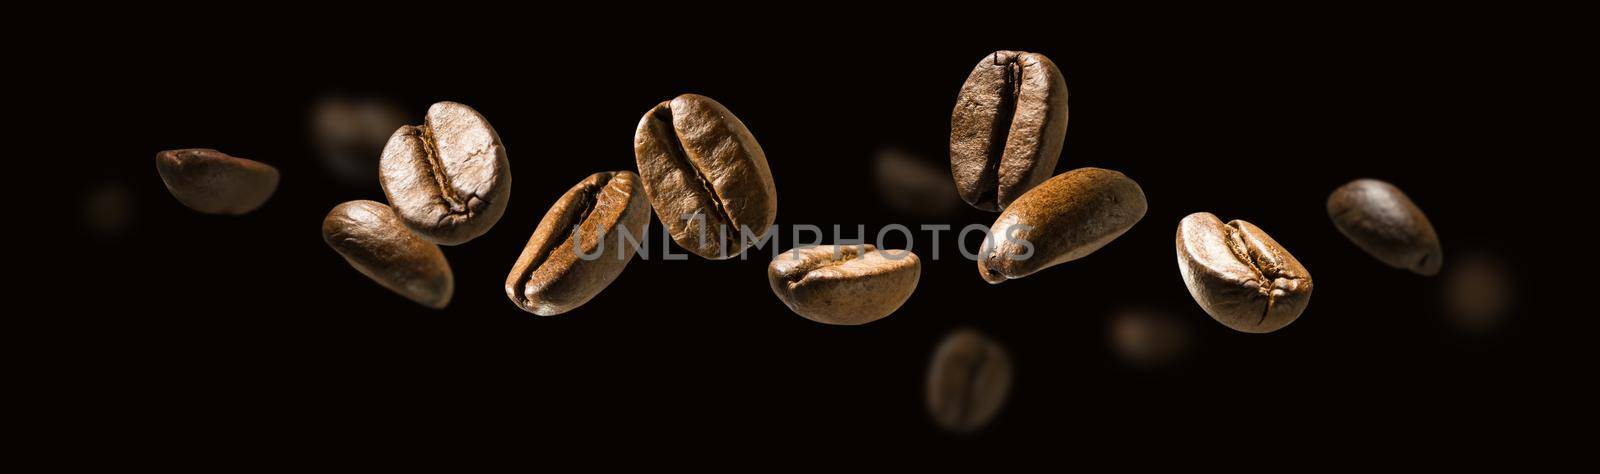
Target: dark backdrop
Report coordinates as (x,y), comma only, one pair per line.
(229,332)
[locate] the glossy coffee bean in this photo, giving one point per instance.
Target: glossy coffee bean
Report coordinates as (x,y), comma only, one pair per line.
(705,174)
(373,240)
(968,381)
(212,182)
(579,248)
(1239,275)
(1064,219)
(448,178)
(844,284)
(1007,129)
(1387,225)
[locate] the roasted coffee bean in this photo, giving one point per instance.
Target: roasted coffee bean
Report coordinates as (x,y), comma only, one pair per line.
(448,178)
(1387,225)
(844,284)
(371,237)
(968,381)
(1007,129)
(1239,275)
(579,248)
(1064,219)
(705,174)
(212,182)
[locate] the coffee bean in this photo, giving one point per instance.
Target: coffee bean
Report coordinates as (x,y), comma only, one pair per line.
(371,237)
(1239,275)
(448,178)
(1008,127)
(1387,225)
(968,381)
(212,182)
(705,174)
(1147,338)
(1064,219)
(349,134)
(844,284)
(578,248)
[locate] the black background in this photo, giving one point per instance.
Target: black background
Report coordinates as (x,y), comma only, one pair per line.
(221,332)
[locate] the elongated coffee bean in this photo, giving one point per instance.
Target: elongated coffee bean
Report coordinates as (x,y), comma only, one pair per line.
(1387,225)
(1239,275)
(705,174)
(578,248)
(448,178)
(212,182)
(844,284)
(968,381)
(1064,219)
(1007,129)
(371,238)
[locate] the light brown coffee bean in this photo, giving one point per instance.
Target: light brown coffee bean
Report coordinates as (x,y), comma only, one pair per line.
(448,178)
(373,240)
(844,284)
(578,248)
(1387,225)
(1064,219)
(1239,275)
(1007,129)
(706,176)
(212,182)
(969,380)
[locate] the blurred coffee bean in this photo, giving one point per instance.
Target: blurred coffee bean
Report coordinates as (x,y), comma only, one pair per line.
(1479,292)
(912,186)
(1147,338)
(968,382)
(349,132)
(108,209)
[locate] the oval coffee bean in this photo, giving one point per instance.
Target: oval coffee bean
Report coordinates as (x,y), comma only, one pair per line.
(371,237)
(844,284)
(968,381)
(1239,275)
(1064,219)
(212,182)
(1387,225)
(578,248)
(1007,129)
(447,178)
(705,174)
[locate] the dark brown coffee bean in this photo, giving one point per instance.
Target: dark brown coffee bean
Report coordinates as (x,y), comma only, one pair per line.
(212,182)
(1066,218)
(371,237)
(578,248)
(705,174)
(1008,127)
(1387,225)
(448,178)
(968,381)
(1239,275)
(844,284)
